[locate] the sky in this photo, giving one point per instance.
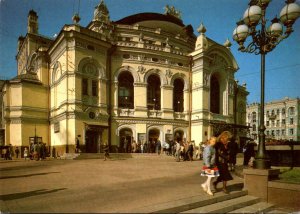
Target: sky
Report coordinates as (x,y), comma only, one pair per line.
(218,16)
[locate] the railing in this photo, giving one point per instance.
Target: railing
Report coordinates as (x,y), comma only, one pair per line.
(154,113)
(125,112)
(179,115)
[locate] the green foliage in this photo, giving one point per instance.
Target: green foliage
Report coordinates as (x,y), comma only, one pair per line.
(290,175)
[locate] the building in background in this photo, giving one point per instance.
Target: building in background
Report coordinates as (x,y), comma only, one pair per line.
(282,119)
(146,77)
(2,130)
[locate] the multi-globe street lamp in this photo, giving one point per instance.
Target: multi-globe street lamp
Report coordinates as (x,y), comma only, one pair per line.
(263,41)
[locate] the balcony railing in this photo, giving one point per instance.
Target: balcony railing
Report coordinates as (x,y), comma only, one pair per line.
(154,113)
(179,115)
(125,112)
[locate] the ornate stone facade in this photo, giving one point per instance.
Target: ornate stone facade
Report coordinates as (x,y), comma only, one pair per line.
(108,82)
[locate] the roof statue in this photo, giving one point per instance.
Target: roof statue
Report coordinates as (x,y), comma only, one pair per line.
(101,12)
(170,10)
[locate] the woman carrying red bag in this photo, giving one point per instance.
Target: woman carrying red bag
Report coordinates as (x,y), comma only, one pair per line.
(209,169)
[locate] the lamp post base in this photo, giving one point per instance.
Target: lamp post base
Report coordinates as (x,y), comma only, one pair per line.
(261,164)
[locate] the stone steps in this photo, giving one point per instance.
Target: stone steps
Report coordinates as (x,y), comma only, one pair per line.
(260,207)
(184,204)
(235,202)
(226,205)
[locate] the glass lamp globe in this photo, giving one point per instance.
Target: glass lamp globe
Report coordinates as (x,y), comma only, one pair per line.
(252,15)
(240,33)
(276,29)
(289,13)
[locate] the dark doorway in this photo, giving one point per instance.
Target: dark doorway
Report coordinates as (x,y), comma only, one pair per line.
(92,141)
(125,140)
(153,135)
(178,135)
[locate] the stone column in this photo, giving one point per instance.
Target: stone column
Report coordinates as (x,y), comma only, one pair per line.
(140,99)
(167,101)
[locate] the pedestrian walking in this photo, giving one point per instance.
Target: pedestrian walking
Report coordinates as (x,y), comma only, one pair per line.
(190,151)
(178,150)
(106,151)
(17,151)
(233,150)
(209,168)
(222,157)
(25,153)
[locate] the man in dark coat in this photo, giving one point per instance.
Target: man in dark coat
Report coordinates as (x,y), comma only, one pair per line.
(233,150)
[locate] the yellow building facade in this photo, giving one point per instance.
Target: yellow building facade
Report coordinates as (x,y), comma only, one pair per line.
(145,77)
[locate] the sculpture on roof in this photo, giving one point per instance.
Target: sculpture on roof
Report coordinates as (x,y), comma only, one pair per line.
(170,10)
(101,13)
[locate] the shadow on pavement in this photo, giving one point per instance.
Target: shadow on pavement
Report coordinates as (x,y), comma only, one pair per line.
(21,195)
(24,176)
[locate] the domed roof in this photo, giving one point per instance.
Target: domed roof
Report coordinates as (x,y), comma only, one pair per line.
(140,17)
(166,22)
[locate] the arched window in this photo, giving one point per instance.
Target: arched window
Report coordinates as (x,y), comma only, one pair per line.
(178,95)
(153,92)
(214,95)
(126,92)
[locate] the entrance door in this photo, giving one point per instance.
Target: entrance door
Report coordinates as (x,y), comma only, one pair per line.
(153,135)
(92,141)
(125,140)
(178,135)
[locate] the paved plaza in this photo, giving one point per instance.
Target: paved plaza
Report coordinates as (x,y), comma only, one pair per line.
(94,185)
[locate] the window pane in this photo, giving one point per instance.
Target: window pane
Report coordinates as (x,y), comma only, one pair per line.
(84,87)
(95,88)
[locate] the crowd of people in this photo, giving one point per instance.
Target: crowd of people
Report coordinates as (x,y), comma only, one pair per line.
(182,150)
(36,151)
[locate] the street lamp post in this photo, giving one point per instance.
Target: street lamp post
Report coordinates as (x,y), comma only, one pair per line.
(264,41)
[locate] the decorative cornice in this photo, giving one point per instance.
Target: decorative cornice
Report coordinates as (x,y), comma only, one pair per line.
(149,121)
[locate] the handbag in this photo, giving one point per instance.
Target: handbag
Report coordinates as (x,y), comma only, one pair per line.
(212,171)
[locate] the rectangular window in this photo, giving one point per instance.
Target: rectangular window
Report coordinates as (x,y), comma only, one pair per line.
(282,132)
(95,88)
(268,123)
(283,122)
(291,121)
(84,86)
(291,131)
